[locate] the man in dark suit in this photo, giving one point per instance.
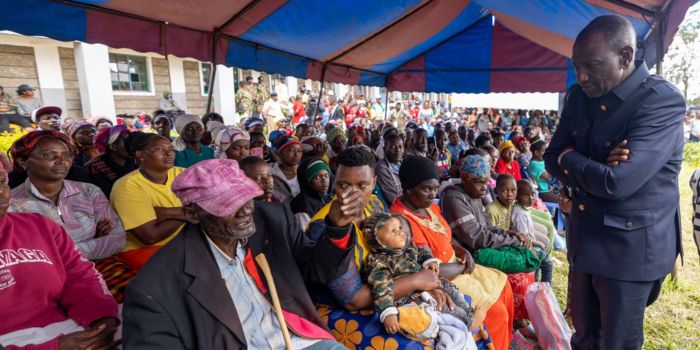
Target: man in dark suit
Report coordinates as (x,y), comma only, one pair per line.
(204,289)
(619,146)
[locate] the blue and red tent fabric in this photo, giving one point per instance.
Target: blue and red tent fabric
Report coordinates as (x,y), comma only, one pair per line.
(473,46)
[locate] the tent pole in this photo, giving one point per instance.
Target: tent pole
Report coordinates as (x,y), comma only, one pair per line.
(660,44)
(210,93)
(386,104)
(320,94)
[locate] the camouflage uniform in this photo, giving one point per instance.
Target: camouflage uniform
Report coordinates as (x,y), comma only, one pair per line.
(245,99)
(262,94)
(385,264)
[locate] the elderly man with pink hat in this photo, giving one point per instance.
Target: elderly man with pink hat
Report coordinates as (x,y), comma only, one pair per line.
(205,288)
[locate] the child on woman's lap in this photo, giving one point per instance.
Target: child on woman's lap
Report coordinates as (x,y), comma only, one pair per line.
(393,254)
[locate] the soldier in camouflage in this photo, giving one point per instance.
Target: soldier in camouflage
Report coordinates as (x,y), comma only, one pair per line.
(245,97)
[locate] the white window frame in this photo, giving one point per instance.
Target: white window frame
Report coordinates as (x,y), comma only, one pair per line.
(149,68)
(201,78)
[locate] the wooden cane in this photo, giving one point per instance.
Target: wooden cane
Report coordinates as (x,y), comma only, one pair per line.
(265,267)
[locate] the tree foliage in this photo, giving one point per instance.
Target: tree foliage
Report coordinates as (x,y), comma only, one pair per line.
(683,54)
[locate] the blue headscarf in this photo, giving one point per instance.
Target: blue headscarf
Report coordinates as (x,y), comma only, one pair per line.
(476,167)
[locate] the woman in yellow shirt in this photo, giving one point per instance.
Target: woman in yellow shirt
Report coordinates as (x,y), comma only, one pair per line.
(151,213)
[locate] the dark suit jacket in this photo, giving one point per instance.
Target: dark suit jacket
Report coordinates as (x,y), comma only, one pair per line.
(625,220)
(179,300)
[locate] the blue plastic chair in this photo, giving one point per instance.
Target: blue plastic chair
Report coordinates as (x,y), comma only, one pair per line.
(555,210)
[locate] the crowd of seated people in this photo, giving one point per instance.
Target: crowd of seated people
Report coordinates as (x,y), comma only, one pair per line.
(166,216)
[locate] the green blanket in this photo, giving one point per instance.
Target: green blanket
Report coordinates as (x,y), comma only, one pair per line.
(508,259)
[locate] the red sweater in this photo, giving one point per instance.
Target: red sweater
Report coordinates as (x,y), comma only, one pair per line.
(504,168)
(44,279)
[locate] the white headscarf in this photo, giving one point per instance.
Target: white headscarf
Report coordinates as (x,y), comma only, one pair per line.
(180,123)
(226,137)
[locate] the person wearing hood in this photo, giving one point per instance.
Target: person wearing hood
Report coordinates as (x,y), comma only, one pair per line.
(392,254)
(285,171)
(314,178)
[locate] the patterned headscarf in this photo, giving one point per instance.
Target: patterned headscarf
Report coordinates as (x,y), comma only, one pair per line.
(227,136)
(180,124)
(73,128)
(475,167)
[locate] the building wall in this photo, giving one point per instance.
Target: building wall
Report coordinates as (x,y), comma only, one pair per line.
(18,66)
(130,104)
(196,103)
(71,86)
(53,67)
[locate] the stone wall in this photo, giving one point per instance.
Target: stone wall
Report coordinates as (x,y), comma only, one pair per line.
(131,104)
(18,66)
(196,103)
(74,109)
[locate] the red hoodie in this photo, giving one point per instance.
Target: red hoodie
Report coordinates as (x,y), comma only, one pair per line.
(44,279)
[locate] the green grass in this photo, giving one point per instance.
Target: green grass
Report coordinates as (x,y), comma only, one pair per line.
(673,321)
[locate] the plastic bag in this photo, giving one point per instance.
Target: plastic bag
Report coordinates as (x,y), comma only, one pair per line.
(553,333)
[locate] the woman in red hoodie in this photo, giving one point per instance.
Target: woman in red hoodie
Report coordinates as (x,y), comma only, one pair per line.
(50,296)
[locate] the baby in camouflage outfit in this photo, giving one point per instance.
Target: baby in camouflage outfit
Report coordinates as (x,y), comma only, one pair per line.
(392,254)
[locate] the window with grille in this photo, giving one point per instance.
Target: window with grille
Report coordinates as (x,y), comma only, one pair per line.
(129,73)
(205,77)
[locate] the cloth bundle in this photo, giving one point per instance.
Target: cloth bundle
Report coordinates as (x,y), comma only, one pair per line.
(423,323)
(508,259)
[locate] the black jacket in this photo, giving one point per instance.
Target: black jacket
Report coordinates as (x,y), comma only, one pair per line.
(179,300)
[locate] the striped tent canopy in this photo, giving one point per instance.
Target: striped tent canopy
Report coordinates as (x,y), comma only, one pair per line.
(472,46)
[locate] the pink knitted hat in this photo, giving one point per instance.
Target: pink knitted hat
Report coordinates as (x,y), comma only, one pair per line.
(216,185)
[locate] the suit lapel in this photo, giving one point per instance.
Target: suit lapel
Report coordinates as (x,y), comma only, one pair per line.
(208,287)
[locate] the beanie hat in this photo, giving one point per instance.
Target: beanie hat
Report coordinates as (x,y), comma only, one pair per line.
(414,170)
(316,167)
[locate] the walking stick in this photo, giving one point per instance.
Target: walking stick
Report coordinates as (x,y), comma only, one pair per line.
(265,267)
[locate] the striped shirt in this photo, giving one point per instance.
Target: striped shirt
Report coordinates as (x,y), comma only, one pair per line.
(79,208)
(260,325)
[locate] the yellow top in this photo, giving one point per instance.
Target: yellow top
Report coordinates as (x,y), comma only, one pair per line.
(499,215)
(134,198)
